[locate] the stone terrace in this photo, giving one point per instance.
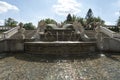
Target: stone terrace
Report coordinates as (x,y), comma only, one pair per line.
(54,67)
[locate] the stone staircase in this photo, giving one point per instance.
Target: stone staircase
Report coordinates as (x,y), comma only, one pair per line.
(28,34)
(92,33)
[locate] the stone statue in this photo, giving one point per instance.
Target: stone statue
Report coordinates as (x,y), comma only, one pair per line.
(21,31)
(41,26)
(78,27)
(40,30)
(99,36)
(80,30)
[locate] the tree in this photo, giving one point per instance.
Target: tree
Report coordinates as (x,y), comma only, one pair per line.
(98,19)
(89,14)
(118,21)
(50,21)
(29,26)
(91,21)
(10,22)
(73,18)
(118,24)
(69,18)
(81,20)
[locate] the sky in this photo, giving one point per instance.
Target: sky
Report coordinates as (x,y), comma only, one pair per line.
(35,10)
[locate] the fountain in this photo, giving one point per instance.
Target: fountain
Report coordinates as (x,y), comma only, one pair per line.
(69,39)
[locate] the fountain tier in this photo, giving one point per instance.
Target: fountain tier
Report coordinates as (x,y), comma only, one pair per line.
(60,47)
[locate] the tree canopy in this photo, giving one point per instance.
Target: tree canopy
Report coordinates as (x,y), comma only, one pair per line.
(88,21)
(118,21)
(118,24)
(91,20)
(29,26)
(10,22)
(69,18)
(89,14)
(50,21)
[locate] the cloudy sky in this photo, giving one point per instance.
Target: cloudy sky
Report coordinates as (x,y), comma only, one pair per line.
(35,10)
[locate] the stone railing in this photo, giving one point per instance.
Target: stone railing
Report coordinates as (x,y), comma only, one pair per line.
(10,32)
(5,28)
(107,43)
(110,33)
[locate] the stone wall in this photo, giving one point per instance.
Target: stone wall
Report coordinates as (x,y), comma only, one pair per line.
(111,44)
(12,45)
(60,47)
(2,45)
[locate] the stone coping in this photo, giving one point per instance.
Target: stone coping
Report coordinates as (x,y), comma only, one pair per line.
(58,42)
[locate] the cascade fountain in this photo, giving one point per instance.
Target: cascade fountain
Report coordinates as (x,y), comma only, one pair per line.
(69,39)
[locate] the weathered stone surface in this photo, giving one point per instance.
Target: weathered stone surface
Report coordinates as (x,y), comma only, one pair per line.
(111,44)
(53,67)
(60,47)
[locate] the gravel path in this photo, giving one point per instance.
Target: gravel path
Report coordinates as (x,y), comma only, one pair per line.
(52,67)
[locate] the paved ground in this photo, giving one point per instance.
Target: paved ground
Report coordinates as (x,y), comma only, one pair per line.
(51,67)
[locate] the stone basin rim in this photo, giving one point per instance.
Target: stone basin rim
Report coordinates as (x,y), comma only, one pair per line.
(57,42)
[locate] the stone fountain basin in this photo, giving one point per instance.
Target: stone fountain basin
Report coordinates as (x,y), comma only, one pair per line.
(59,47)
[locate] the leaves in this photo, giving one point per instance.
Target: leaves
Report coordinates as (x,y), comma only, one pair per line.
(10,22)
(29,26)
(89,14)
(49,21)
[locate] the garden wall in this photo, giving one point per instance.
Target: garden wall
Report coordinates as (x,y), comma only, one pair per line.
(12,45)
(111,44)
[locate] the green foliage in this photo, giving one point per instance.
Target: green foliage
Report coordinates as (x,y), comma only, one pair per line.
(69,18)
(49,27)
(73,18)
(81,20)
(114,29)
(98,19)
(50,21)
(89,17)
(10,22)
(118,24)
(118,21)
(89,14)
(29,26)
(91,21)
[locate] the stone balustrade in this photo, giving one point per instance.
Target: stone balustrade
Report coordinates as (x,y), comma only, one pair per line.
(5,28)
(111,43)
(10,32)
(110,33)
